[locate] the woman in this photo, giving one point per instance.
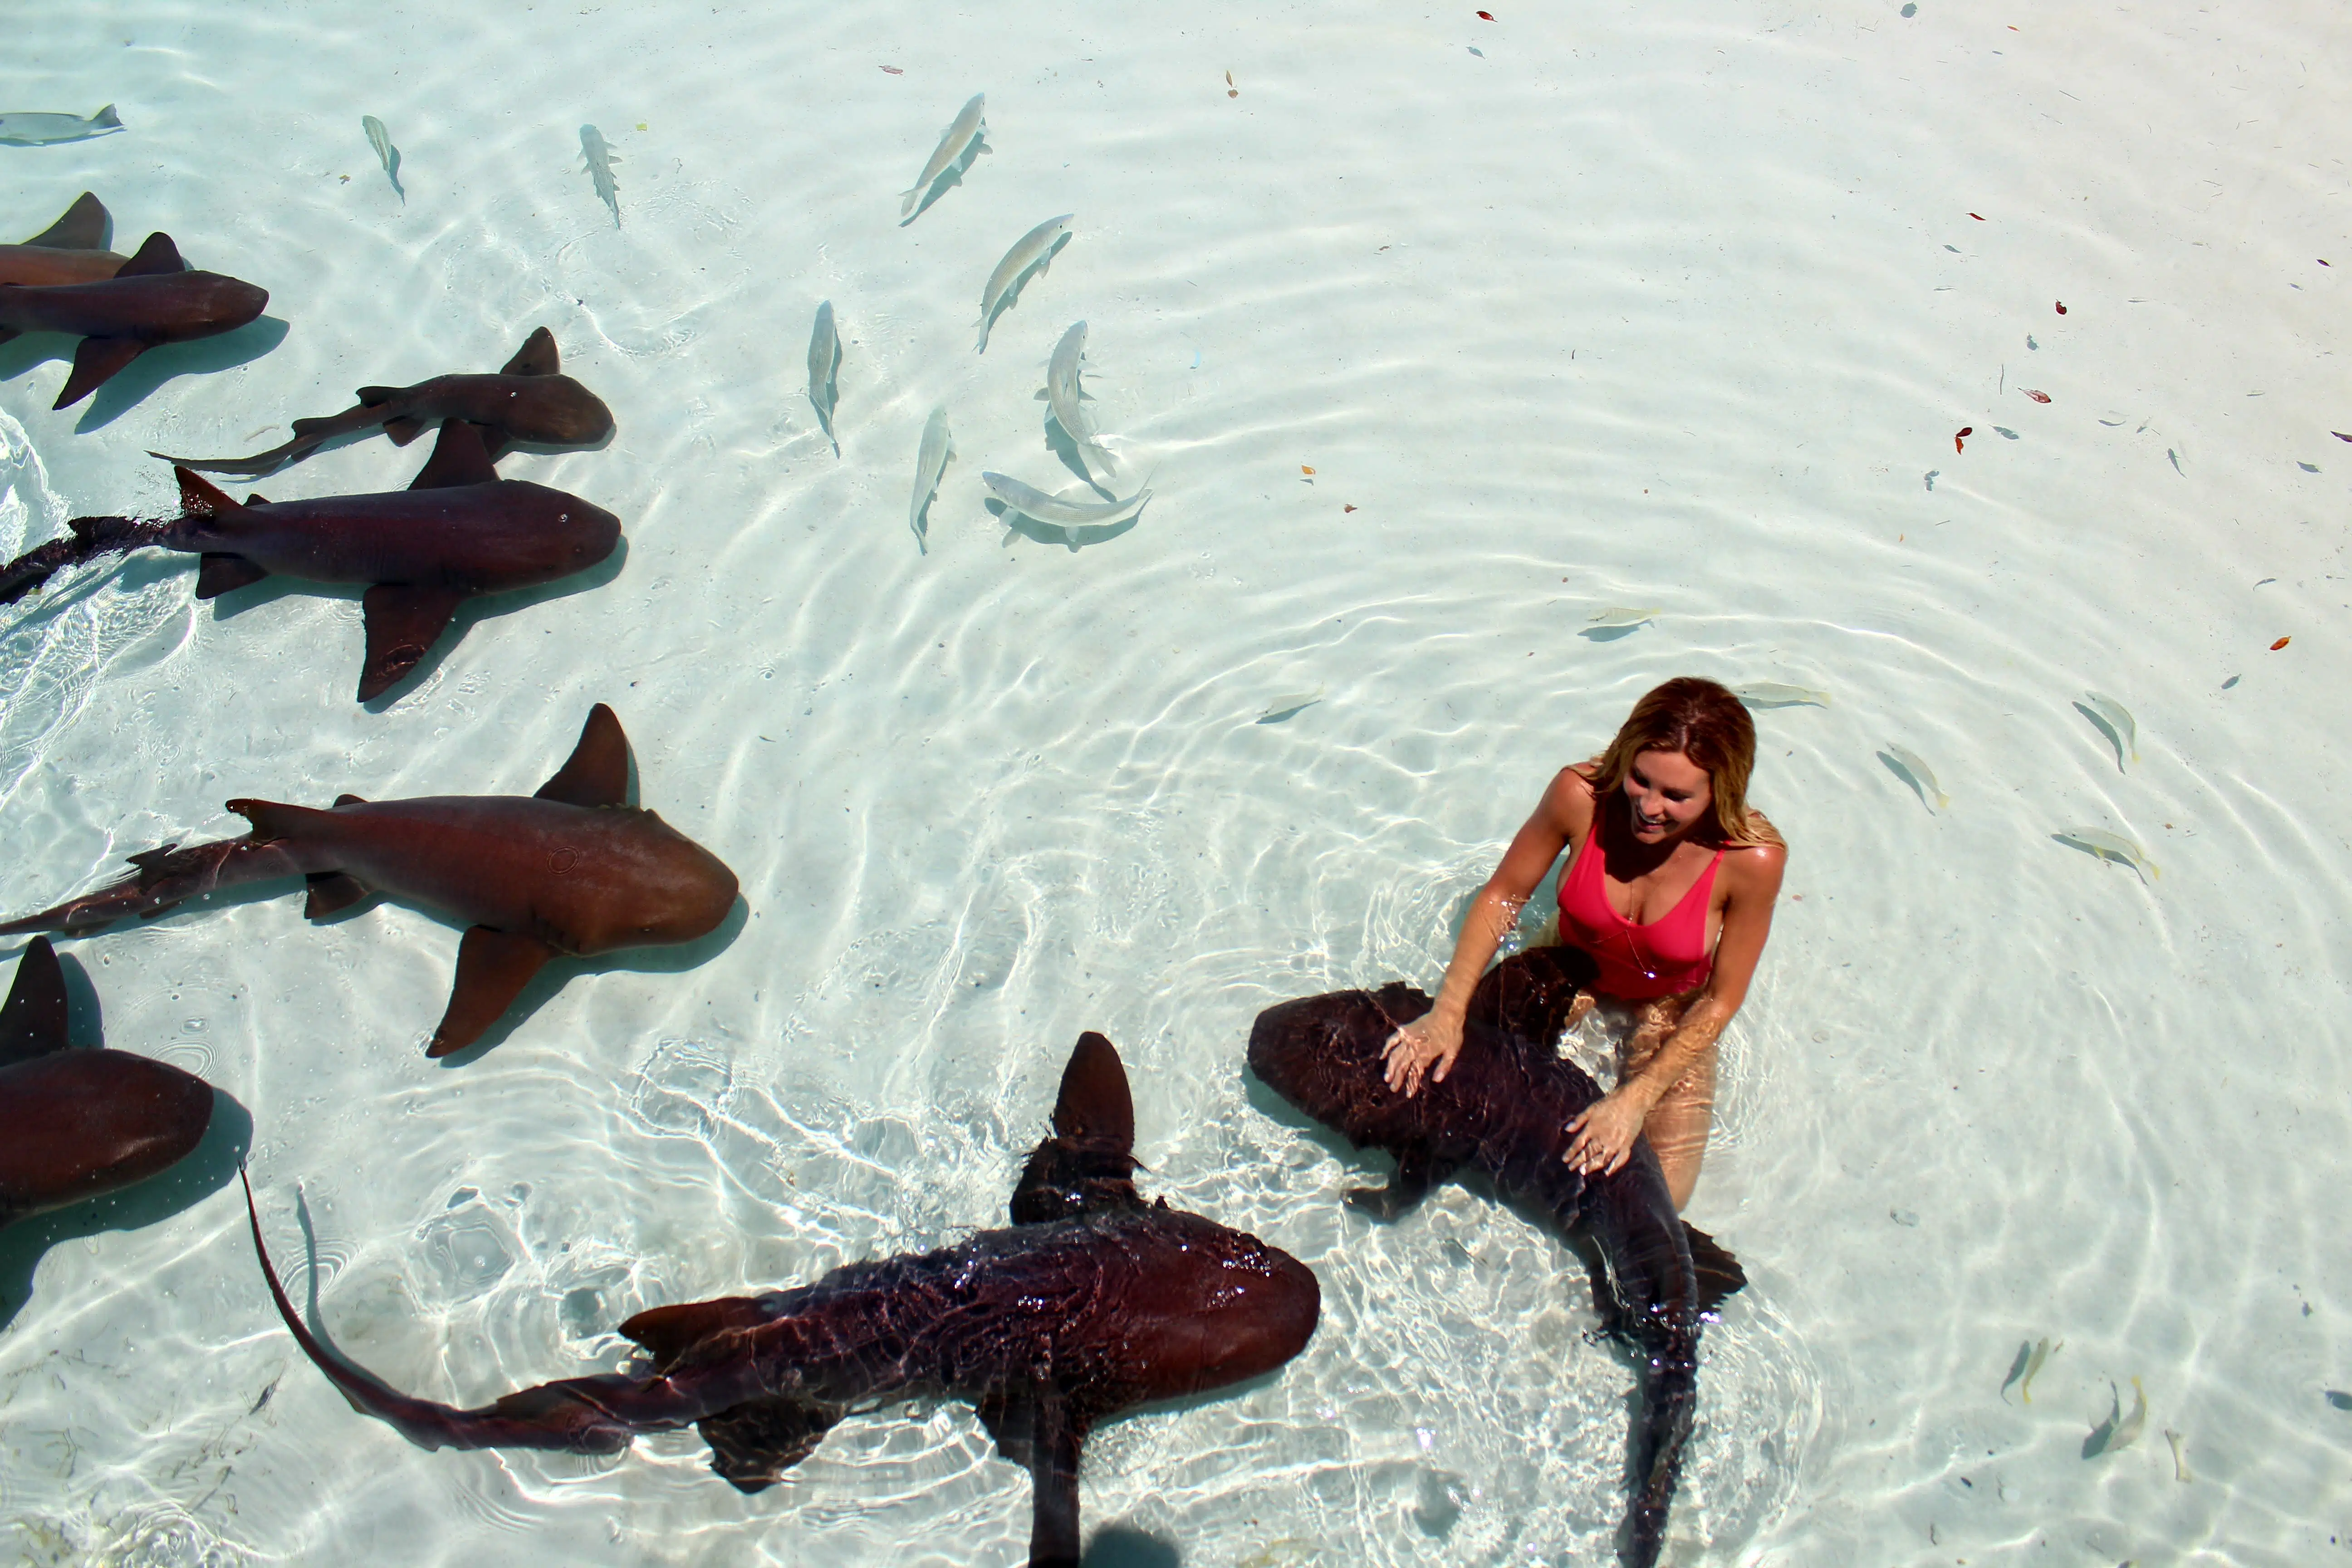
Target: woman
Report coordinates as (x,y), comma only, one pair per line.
(1669,890)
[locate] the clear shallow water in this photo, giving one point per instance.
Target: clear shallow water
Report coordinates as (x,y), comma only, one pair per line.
(1676,310)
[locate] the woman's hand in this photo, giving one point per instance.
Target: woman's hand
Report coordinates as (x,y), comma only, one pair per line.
(1601,1140)
(1430,1042)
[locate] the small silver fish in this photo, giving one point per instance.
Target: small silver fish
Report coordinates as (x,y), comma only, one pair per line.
(1283,708)
(2114,719)
(2107,846)
(930,460)
(1037,503)
(2176,462)
(966,136)
(386,153)
(1772,694)
(2005,432)
(1618,615)
(824,365)
(2119,1431)
(1908,766)
(597,157)
(1034,249)
(1064,397)
(38,130)
(2179,1457)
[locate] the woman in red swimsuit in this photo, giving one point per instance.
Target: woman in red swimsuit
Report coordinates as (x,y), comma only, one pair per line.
(1670,890)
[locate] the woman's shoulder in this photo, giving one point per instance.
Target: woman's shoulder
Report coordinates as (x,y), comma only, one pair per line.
(1570,795)
(1757,864)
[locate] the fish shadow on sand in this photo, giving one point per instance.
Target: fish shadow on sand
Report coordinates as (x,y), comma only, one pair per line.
(470,614)
(1611,634)
(211,1166)
(150,370)
(1077,536)
(1060,442)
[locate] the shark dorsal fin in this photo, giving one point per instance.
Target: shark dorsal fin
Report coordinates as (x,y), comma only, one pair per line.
(158,257)
(537,356)
(33,1019)
(597,772)
(1088,1165)
(458,458)
(1096,1109)
(83,226)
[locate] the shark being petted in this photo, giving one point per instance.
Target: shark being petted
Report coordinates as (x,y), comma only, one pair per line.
(77,1124)
(528,400)
(1503,1110)
(457,532)
(1092,1303)
(71,251)
(152,299)
(572,869)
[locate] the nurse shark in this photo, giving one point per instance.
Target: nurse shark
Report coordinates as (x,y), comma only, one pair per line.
(78,1124)
(529,399)
(152,299)
(1503,1110)
(457,532)
(572,869)
(1092,1303)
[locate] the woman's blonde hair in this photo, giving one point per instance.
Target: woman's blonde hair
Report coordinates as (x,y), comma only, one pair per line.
(1706,723)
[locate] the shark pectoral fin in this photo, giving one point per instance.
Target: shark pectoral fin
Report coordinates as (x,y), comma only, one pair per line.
(458,457)
(1719,1274)
(1040,1430)
(493,966)
(404,622)
(156,259)
(83,226)
(537,356)
(221,572)
(350,799)
(403,428)
(754,1443)
(33,1019)
(96,361)
(370,396)
(597,772)
(666,1334)
(331,892)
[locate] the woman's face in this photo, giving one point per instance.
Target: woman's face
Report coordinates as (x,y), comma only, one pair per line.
(1666,792)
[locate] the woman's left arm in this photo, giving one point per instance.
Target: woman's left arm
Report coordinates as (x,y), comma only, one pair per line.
(1601,1140)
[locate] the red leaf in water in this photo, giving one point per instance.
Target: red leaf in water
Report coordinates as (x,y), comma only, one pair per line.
(2280,644)
(893,70)
(2340,435)
(2037,396)
(1978,216)
(1485,15)
(1347,508)
(2062,307)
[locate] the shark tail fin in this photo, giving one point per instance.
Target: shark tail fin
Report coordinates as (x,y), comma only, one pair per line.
(107,117)
(1719,1274)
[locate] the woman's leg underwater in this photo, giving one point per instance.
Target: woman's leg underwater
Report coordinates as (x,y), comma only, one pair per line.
(1677,1125)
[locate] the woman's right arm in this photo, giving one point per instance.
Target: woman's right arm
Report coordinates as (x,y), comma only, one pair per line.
(1431,1042)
